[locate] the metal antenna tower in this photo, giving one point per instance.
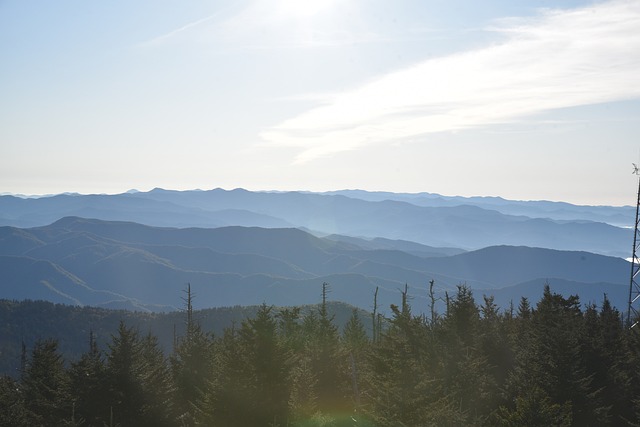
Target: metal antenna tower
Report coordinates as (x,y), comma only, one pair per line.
(633,315)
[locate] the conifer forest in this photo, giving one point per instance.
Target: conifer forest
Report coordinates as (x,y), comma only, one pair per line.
(548,363)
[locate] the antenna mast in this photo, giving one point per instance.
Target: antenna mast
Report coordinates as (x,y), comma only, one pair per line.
(634,288)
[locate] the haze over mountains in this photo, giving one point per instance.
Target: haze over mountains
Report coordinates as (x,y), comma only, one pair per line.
(433,220)
(241,248)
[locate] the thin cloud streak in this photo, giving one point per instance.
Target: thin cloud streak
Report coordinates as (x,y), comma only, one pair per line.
(559,59)
(173,33)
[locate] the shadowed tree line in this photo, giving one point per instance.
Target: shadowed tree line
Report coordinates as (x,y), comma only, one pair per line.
(555,364)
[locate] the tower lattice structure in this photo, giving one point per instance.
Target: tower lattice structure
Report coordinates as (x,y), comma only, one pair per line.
(633,311)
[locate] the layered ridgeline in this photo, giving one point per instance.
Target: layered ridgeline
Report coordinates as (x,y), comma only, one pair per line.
(128,265)
(429,219)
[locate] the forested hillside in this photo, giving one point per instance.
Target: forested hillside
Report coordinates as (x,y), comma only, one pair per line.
(26,322)
(553,364)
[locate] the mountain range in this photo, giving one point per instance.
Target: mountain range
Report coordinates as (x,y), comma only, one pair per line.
(123,264)
(428,219)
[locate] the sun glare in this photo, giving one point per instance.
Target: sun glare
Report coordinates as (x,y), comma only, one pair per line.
(304,8)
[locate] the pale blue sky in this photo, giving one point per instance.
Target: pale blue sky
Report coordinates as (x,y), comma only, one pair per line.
(521,99)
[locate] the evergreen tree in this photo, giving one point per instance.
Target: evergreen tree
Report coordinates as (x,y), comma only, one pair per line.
(294,333)
(495,346)
(550,366)
(613,366)
(467,378)
(266,360)
(250,385)
(224,400)
(354,335)
(629,376)
(191,367)
(303,399)
(405,380)
(192,371)
(328,362)
(356,343)
(524,309)
(126,393)
(289,328)
(534,409)
(157,409)
(45,385)
(137,380)
(88,386)
(13,412)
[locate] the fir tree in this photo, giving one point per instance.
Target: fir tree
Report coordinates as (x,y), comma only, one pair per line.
(267,364)
(191,366)
(88,386)
(138,380)
(405,381)
(328,362)
(45,385)
(467,378)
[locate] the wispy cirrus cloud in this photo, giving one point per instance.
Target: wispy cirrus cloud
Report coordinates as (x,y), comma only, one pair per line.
(557,59)
(178,31)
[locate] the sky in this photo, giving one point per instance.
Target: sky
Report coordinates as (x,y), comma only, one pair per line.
(527,100)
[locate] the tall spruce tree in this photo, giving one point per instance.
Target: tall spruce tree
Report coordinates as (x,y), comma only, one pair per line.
(126,392)
(250,385)
(467,378)
(550,366)
(266,360)
(405,379)
(137,380)
(45,386)
(328,361)
(191,366)
(356,343)
(155,376)
(494,346)
(88,386)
